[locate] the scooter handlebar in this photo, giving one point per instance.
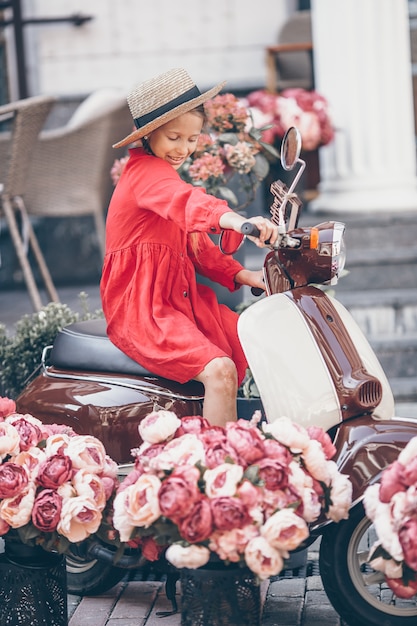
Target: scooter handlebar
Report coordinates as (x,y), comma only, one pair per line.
(248,228)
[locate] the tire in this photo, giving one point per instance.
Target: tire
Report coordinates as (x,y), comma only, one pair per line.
(357,592)
(90,577)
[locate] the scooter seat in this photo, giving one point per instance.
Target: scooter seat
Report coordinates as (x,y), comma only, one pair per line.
(86,346)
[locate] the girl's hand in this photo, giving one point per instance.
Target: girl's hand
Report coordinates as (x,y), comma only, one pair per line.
(268,230)
(252,278)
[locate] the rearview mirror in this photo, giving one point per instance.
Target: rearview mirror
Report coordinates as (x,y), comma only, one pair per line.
(290,148)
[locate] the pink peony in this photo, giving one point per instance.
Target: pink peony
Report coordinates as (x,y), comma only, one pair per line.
(273,473)
(263,559)
(138,505)
(229,513)
(246,440)
(185,450)
(194,424)
(17,511)
(54,471)
(179,492)
(408,539)
(90,486)
(229,545)
(79,518)
(400,589)
(285,530)
(198,524)
(29,429)
(288,433)
(315,461)
(13,480)
(317,433)
(7,407)
(46,510)
(392,480)
(86,452)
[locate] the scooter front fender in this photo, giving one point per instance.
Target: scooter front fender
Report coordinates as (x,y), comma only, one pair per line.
(366,446)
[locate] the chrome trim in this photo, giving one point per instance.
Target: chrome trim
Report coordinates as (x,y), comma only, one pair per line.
(121,383)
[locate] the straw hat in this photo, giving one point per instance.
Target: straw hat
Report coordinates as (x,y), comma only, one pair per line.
(161,99)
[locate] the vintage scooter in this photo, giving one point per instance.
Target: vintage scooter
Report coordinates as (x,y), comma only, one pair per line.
(310,362)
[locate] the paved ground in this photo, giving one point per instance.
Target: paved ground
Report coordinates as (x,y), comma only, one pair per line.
(296,598)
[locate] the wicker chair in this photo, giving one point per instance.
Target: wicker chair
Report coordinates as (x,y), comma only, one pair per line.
(17,145)
(70,175)
(289,63)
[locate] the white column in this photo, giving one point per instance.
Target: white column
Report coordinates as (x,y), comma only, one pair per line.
(363,67)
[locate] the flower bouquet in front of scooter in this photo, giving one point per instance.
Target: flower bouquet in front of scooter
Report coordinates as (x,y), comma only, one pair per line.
(391,504)
(240,494)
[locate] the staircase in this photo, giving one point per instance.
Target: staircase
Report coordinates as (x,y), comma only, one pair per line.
(380,291)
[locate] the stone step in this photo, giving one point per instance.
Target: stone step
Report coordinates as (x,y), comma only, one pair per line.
(404,390)
(381,268)
(397,355)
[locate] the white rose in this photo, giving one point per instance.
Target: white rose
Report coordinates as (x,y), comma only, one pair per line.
(191,557)
(263,559)
(288,433)
(223,480)
(159,426)
(285,530)
(316,462)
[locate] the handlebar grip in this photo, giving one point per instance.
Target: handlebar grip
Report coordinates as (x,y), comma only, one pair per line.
(257,291)
(249,229)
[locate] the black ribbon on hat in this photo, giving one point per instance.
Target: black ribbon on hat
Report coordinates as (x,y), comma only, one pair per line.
(192,93)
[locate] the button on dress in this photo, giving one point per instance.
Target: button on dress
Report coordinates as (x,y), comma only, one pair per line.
(156,240)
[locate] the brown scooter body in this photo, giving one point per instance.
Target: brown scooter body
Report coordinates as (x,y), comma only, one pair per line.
(310,362)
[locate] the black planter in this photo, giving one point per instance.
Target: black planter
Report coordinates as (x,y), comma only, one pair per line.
(33,587)
(220,595)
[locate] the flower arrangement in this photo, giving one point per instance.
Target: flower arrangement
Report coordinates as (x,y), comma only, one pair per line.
(391,505)
(231,149)
(55,486)
(238,494)
(307,110)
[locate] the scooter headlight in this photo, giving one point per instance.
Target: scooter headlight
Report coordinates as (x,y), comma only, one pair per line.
(334,247)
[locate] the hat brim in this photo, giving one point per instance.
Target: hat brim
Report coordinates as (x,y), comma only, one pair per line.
(170,115)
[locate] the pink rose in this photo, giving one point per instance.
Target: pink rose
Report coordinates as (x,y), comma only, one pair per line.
(223,480)
(285,530)
(179,492)
(159,426)
(275,450)
(231,544)
(54,471)
(80,518)
(7,407)
(46,511)
(151,551)
(273,473)
(194,424)
(198,524)
(13,480)
(246,440)
(229,513)
(217,453)
(408,539)
(326,443)
(29,431)
(401,589)
(263,559)
(392,480)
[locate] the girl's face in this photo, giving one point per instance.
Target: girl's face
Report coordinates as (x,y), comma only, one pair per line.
(177,139)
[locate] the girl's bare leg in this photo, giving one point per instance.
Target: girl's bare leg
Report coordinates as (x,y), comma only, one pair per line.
(219,378)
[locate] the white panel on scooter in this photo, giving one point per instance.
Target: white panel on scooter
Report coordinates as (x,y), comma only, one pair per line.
(286,363)
(385,409)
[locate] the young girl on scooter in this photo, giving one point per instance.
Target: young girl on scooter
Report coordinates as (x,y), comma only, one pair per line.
(156,241)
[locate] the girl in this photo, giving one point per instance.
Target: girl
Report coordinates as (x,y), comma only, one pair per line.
(156,241)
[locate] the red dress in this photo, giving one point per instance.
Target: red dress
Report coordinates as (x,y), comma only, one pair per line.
(156,311)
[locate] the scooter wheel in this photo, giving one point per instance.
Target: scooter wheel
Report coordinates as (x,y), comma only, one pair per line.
(90,577)
(358,593)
